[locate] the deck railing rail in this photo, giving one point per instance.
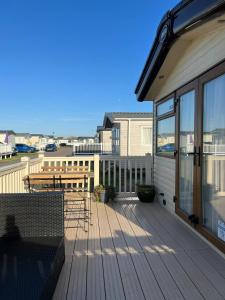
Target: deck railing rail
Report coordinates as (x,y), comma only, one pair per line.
(11,176)
(125,172)
(122,172)
(98,148)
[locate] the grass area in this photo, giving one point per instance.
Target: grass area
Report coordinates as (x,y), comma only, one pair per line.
(17,158)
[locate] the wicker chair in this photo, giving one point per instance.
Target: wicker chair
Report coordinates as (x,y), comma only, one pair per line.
(31,244)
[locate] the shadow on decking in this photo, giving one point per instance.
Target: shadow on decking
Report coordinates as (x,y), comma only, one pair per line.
(138,251)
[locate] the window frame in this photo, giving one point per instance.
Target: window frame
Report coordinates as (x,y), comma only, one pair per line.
(165,116)
(159,102)
(116,138)
(142,135)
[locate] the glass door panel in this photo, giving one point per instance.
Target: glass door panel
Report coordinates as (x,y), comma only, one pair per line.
(213,157)
(186,152)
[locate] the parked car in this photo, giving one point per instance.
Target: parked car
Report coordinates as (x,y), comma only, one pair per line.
(50,148)
(167,148)
(23,148)
(62,144)
(33,149)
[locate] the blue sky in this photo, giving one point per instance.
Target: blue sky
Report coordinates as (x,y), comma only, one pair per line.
(63,64)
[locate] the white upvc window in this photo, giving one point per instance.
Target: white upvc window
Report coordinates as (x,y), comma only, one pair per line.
(146,135)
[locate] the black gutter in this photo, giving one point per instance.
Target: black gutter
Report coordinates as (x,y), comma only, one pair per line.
(186,14)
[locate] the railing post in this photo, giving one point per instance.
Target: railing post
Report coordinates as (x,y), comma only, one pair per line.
(41,155)
(96,170)
(148,168)
(26,160)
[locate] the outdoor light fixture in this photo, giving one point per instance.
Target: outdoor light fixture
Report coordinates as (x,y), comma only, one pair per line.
(164,33)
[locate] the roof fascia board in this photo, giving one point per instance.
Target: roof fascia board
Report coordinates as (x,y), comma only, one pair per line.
(175,22)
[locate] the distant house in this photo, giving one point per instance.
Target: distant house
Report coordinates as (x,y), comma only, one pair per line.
(61,140)
(40,140)
(37,139)
(7,137)
(184,76)
(105,138)
(131,132)
(22,138)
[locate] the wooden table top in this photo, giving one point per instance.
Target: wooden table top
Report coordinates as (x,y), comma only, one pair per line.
(60,175)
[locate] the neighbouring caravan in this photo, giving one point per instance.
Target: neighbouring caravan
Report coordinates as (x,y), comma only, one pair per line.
(185,77)
(131,132)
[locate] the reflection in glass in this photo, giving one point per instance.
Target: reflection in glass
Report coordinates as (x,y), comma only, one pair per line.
(213,160)
(166,136)
(186,149)
(165,107)
(115,140)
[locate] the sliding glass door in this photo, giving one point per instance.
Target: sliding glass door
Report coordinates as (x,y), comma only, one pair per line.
(200,159)
(213,157)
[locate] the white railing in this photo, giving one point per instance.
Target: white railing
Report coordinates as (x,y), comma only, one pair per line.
(94,148)
(91,162)
(11,176)
(216,149)
(5,150)
(35,165)
(119,171)
(122,172)
(125,172)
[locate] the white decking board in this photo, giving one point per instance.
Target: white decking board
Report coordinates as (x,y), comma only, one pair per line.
(95,275)
(138,251)
(113,283)
(131,283)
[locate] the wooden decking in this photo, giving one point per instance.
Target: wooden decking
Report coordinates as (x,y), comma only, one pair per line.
(138,251)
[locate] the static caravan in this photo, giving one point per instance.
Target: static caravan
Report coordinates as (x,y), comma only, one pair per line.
(185,77)
(131,132)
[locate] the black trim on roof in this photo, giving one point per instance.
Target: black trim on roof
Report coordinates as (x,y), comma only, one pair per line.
(11,132)
(175,22)
(110,117)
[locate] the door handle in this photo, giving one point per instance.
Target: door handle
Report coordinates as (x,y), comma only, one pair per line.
(193,153)
(199,156)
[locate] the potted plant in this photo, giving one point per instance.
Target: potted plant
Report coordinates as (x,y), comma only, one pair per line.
(110,193)
(145,193)
(100,193)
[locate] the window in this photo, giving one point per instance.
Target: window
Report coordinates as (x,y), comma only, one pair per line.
(166,107)
(116,139)
(165,135)
(146,136)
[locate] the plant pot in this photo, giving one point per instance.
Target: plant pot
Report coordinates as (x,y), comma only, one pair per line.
(145,193)
(103,197)
(110,193)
